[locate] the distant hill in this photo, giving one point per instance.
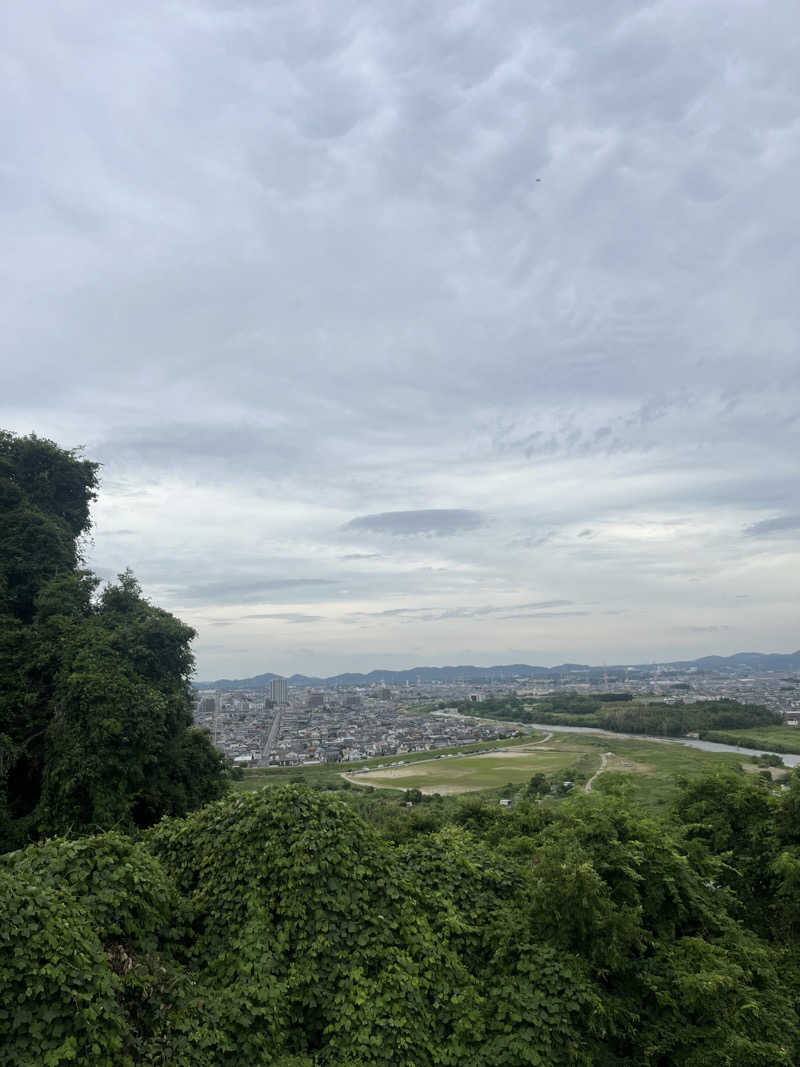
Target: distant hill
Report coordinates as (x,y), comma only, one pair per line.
(757,661)
(740,663)
(259,681)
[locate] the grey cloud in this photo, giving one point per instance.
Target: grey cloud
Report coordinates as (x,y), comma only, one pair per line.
(532,540)
(501,612)
(244,591)
(483,611)
(286,616)
(541,604)
(784,524)
(546,614)
(219,449)
(439,522)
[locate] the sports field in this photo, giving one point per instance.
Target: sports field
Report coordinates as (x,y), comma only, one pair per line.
(464,774)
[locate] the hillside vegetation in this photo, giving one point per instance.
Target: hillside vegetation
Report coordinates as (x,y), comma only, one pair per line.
(281,927)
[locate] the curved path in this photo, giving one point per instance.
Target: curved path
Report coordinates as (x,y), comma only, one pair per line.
(603,764)
(543,741)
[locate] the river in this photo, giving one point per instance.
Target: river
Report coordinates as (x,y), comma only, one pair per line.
(789,759)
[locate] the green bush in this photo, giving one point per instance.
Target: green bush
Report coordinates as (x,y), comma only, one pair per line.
(280,928)
(59,993)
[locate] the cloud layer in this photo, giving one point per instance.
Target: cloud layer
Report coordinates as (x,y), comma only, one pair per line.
(378,315)
(437,522)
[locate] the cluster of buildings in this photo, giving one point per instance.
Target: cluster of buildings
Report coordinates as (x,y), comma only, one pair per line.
(286,726)
(775,690)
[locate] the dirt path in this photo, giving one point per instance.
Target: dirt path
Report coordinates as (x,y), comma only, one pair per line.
(543,741)
(603,764)
(352,779)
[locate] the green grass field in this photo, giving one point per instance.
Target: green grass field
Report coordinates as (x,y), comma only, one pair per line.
(331,773)
(469,773)
(648,769)
(658,765)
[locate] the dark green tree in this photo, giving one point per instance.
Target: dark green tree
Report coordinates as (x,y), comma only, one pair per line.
(95,720)
(45,496)
(736,818)
(538,785)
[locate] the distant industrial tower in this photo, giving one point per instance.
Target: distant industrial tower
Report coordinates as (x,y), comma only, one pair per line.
(278,691)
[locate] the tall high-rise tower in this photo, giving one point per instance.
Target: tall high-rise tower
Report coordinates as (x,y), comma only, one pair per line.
(278,691)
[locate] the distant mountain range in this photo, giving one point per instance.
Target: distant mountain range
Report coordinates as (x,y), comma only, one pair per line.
(740,663)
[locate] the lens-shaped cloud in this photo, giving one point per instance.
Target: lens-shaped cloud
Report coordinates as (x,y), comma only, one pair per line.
(784,524)
(435,522)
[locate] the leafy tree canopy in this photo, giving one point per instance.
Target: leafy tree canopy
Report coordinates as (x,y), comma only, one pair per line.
(95,722)
(282,928)
(618,711)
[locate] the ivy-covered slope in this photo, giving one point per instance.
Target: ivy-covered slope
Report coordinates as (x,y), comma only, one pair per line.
(282,928)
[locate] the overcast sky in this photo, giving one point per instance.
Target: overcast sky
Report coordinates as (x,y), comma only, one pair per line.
(417,333)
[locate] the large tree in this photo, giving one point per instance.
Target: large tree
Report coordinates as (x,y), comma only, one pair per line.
(95,715)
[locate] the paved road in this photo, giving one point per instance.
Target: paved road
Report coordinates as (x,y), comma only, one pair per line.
(272,736)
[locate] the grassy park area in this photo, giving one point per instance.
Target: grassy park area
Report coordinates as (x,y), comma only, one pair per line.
(647,770)
(463,774)
(649,767)
(326,774)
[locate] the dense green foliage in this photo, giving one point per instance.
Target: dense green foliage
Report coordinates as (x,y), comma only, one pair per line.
(609,711)
(752,741)
(290,927)
(95,715)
